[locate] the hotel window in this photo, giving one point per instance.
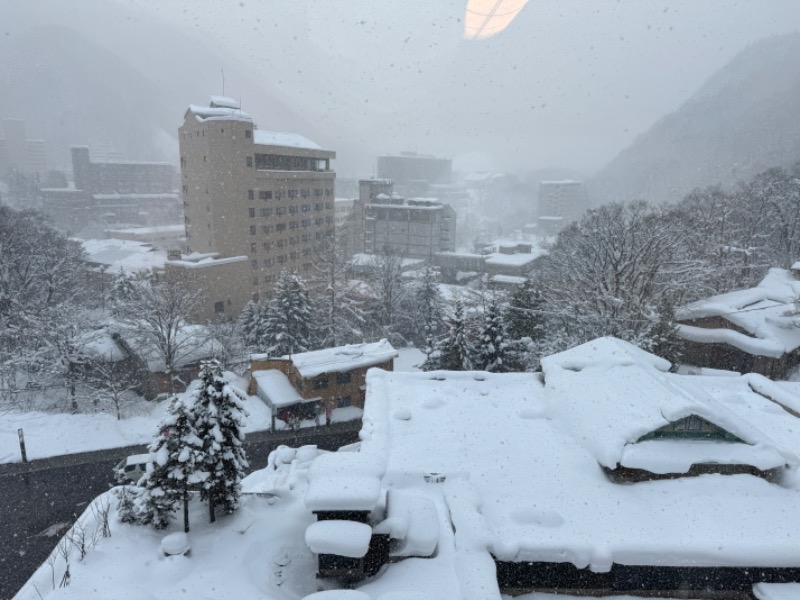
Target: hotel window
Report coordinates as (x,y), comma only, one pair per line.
(281,210)
(251,212)
(280,227)
(293,224)
(292,193)
(265,229)
(252,229)
(219,307)
(306,207)
(345,377)
(254,264)
(249,161)
(250,194)
(304,192)
(293,210)
(266,212)
(265,195)
(248,133)
(266,246)
(253,248)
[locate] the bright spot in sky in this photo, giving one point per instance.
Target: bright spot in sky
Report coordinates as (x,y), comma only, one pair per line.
(486,18)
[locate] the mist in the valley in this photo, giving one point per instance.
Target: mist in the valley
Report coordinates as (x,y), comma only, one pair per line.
(568,84)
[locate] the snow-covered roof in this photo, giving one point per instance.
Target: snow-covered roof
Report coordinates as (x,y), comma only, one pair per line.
(100,344)
(223,102)
(344,481)
(367,260)
(217,113)
(631,396)
(203,263)
(275,388)
(125,256)
(343,538)
(764,312)
(520,479)
(509,279)
(343,358)
(520,259)
(283,138)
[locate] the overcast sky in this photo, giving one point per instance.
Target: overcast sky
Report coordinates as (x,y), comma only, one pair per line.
(569,83)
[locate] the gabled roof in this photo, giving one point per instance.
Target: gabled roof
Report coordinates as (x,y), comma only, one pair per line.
(609,393)
(764,312)
(342,358)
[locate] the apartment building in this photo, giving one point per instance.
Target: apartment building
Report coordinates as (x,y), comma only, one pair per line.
(412,228)
(560,203)
(18,153)
(263,195)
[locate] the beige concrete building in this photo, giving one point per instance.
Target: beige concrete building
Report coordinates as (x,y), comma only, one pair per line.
(266,196)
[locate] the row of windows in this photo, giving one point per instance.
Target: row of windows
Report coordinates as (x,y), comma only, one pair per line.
(278,227)
(301,193)
(282,243)
(281,210)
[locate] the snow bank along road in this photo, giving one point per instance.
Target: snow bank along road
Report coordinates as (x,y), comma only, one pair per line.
(41,499)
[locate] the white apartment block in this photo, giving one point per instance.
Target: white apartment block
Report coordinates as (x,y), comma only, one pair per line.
(560,203)
(264,196)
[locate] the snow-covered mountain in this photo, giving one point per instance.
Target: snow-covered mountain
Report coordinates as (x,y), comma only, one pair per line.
(743,120)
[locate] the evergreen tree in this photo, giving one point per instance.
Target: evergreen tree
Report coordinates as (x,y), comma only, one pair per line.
(491,352)
(338,315)
(288,316)
(252,326)
(524,318)
(177,459)
(429,308)
(219,413)
(456,351)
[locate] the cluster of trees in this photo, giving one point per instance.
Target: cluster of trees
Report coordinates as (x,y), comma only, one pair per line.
(198,448)
(624,268)
(43,298)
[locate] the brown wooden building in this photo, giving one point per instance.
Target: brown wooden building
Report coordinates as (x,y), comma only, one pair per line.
(332,378)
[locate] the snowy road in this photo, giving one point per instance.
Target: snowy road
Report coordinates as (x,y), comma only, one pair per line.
(40,500)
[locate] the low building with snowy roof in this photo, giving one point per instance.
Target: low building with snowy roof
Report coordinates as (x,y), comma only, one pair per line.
(520,478)
(755,330)
(333,377)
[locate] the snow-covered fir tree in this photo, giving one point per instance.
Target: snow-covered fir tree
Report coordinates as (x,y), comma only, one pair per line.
(288,316)
(219,416)
(490,352)
(177,465)
(455,352)
(430,310)
(252,326)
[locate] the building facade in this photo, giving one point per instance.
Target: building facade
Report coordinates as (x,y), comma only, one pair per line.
(413,173)
(560,203)
(18,153)
(413,228)
(267,196)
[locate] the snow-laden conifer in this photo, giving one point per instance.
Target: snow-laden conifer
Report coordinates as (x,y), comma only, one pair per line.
(177,464)
(288,316)
(219,416)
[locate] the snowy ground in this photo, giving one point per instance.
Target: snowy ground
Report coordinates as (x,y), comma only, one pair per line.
(53,434)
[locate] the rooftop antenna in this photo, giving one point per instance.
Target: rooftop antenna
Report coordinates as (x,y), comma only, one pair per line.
(223,81)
